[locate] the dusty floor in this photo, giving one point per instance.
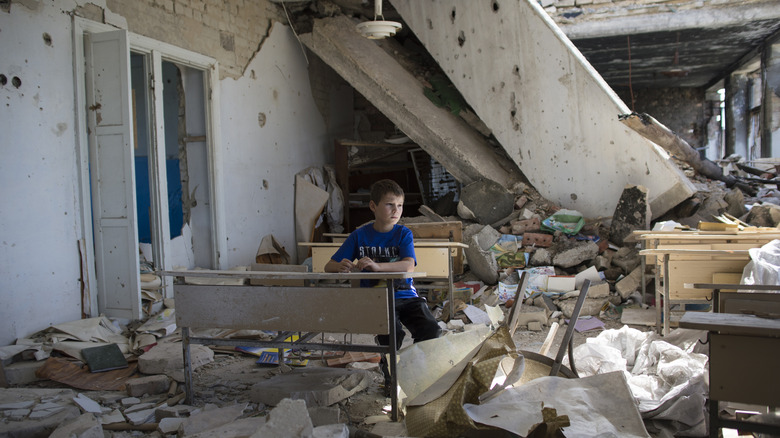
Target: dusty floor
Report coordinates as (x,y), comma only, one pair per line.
(229,377)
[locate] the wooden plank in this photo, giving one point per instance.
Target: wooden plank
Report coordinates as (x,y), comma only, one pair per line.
(318,309)
(743,369)
(732,324)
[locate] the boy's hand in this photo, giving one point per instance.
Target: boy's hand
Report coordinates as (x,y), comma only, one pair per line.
(366,264)
(346,266)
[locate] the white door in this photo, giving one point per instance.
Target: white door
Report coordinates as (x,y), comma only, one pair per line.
(109,113)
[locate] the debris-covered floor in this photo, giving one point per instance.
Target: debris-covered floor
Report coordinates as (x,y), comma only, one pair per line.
(155,406)
(655,386)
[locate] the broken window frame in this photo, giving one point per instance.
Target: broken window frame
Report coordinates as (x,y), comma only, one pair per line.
(157,52)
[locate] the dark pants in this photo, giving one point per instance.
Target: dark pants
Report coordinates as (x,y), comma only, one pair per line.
(414,314)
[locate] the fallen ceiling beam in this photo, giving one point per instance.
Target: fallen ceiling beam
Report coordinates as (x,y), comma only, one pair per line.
(395,92)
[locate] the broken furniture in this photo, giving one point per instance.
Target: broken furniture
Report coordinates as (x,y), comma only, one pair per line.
(744,359)
(327,309)
(694,257)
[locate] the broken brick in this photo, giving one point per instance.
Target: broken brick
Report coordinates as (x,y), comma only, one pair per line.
(537,239)
(524,225)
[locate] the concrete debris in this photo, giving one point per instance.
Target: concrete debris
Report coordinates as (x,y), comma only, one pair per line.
(210,419)
(632,282)
(627,259)
(631,213)
(766,215)
(87,404)
(482,262)
(488,200)
(316,386)
(591,306)
(155,384)
(576,254)
(167,358)
(83,426)
(736,202)
(289,419)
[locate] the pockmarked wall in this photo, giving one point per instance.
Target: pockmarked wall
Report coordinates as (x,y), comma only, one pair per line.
(271,130)
(41,224)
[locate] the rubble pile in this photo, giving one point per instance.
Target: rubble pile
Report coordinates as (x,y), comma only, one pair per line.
(558,248)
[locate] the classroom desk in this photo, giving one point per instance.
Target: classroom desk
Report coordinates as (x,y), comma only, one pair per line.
(688,267)
(328,309)
(744,362)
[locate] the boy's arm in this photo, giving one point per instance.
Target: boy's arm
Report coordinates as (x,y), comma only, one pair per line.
(403,265)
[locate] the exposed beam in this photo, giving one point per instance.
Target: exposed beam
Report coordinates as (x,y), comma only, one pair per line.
(710,17)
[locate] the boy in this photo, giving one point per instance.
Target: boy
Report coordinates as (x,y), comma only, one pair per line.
(385,246)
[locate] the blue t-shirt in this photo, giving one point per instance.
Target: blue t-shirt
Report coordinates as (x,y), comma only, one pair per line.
(395,245)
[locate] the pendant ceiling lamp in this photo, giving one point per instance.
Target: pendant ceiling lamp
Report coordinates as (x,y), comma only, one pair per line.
(379,28)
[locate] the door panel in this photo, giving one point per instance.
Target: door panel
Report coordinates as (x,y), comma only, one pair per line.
(112,174)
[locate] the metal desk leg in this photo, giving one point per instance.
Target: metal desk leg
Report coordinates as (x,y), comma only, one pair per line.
(185,345)
(667,305)
(451,282)
(393,350)
(658,297)
(714,418)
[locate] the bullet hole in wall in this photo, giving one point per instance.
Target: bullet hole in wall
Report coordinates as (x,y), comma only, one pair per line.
(573,196)
(452,15)
(495,6)
(461,38)
(3,80)
(265,184)
(47,39)
(261,119)
(430,24)
(16,82)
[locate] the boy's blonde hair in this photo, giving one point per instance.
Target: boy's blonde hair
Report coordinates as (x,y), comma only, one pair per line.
(384,186)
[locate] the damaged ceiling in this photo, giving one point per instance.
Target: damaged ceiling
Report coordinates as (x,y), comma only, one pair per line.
(672,44)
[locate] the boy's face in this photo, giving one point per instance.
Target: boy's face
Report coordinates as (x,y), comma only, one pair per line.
(389,209)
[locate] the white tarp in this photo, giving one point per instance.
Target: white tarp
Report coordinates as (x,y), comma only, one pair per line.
(764,265)
(668,379)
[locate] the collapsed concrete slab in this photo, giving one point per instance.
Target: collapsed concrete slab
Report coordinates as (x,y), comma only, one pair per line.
(552,112)
(316,386)
(398,94)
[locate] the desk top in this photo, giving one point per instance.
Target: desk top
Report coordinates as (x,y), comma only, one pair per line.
(708,235)
(738,287)
(707,252)
(731,324)
(417,244)
(267,275)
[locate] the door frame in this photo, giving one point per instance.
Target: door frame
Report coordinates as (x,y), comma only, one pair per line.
(156,50)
